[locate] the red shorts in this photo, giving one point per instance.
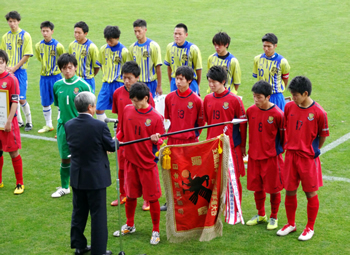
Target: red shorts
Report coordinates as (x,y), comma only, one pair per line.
(11,141)
(121,158)
(237,158)
(265,174)
(140,182)
(306,170)
(181,141)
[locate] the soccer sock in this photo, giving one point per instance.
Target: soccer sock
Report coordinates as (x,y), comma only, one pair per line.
(1,165)
(259,197)
(47,115)
(58,113)
(26,111)
(291,204)
(64,172)
(312,209)
(275,200)
(121,183)
(130,208)
(19,116)
(155,214)
(18,168)
(101,117)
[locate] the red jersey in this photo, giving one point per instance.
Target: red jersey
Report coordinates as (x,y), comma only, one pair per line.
(10,83)
(266,132)
(184,110)
(304,127)
(121,99)
(137,124)
(225,107)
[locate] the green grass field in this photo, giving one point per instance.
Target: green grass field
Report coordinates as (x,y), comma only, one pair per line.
(312,36)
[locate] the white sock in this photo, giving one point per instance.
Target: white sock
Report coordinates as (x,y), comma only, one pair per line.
(47,115)
(58,113)
(101,117)
(26,111)
(19,116)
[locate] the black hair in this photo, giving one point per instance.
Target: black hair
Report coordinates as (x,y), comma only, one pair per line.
(217,73)
(182,25)
(4,56)
(13,15)
(139,90)
(270,37)
(140,23)
(83,26)
(221,38)
(65,59)
(300,84)
(47,24)
(131,67)
(262,87)
(111,32)
(186,72)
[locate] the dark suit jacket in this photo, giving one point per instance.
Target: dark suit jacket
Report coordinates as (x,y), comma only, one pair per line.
(89,140)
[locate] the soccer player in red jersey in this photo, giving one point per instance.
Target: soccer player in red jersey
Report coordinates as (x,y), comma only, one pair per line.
(220,106)
(130,72)
(141,120)
(10,139)
(306,126)
(265,164)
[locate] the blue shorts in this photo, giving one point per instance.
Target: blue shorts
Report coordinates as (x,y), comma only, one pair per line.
(105,97)
(152,87)
(21,75)
(46,88)
(193,85)
(278,99)
(91,82)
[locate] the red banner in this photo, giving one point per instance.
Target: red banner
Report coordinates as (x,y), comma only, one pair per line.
(195,180)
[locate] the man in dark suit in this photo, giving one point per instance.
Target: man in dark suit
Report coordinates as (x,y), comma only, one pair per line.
(89,140)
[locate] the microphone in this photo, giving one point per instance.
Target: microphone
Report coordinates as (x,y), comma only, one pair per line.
(108,120)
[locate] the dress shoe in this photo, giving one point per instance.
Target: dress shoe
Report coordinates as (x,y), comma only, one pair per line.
(82,251)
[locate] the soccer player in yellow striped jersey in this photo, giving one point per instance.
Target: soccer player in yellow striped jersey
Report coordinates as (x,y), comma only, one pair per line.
(18,45)
(222,57)
(86,53)
(183,53)
(273,68)
(146,53)
(47,52)
(112,57)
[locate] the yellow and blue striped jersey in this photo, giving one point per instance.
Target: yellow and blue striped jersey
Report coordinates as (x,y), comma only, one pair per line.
(48,53)
(147,56)
(112,59)
(87,57)
(231,64)
(273,70)
(186,55)
(17,45)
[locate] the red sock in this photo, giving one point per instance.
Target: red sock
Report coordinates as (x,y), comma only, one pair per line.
(1,165)
(130,208)
(291,204)
(312,209)
(260,197)
(155,214)
(18,168)
(121,183)
(275,200)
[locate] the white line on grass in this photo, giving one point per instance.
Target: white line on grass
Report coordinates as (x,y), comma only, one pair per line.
(334,144)
(332,178)
(39,137)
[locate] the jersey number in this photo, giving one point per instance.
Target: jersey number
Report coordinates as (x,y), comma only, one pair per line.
(261,72)
(260,127)
(299,124)
(139,130)
(9,47)
(67,99)
(216,115)
(181,114)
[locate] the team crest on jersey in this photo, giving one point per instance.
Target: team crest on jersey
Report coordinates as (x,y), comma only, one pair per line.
(274,70)
(117,60)
(184,57)
(83,53)
(52,53)
(4,85)
(148,122)
(270,119)
(311,116)
(190,105)
(20,42)
(76,91)
(145,54)
(225,106)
